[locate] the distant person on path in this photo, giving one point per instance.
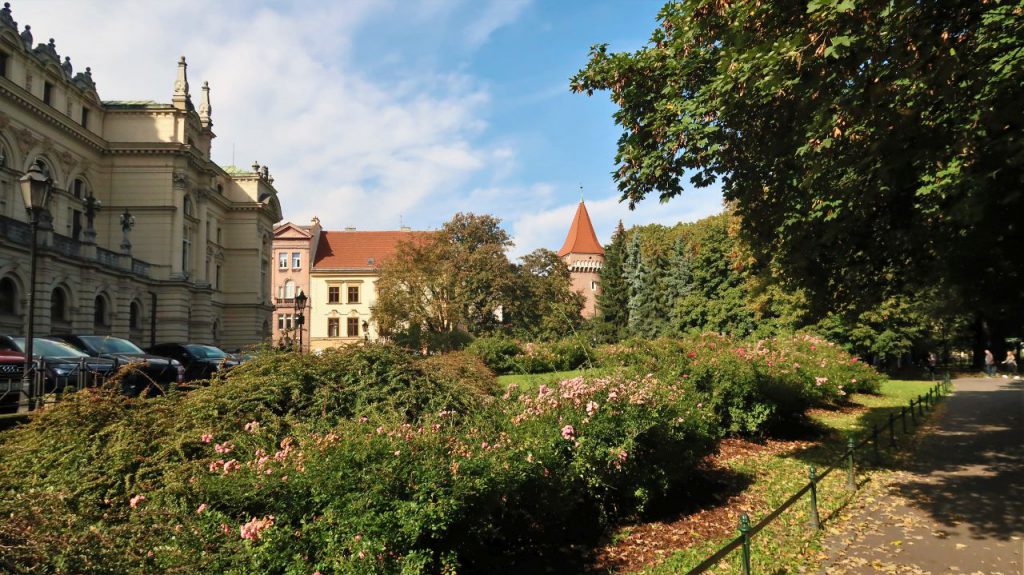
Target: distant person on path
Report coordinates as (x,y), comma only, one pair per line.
(932,362)
(1011,363)
(990,364)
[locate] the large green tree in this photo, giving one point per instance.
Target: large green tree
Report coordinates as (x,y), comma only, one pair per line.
(870,148)
(452,281)
(613,301)
(544,306)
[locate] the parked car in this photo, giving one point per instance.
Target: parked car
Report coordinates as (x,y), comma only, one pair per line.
(63,366)
(200,361)
(151,369)
(12,365)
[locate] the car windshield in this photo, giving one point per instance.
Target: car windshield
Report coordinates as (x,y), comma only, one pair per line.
(48,348)
(106,344)
(205,351)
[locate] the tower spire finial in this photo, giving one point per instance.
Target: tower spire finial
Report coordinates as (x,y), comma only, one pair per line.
(581,193)
(181,96)
(205,109)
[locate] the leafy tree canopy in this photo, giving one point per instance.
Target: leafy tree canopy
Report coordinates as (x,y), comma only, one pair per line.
(452,281)
(869,147)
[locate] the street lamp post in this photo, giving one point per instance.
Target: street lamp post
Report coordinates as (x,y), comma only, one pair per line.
(300,317)
(35,190)
(366,331)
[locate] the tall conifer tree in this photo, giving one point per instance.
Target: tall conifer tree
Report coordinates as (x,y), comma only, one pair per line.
(613,301)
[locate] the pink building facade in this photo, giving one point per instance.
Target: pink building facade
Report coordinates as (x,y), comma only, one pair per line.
(294,247)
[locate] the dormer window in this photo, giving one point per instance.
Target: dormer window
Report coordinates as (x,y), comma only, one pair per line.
(47,93)
(3,64)
(85,117)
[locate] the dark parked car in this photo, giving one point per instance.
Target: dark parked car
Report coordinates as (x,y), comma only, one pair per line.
(12,365)
(200,361)
(151,369)
(63,365)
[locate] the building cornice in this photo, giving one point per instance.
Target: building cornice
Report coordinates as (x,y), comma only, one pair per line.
(46,112)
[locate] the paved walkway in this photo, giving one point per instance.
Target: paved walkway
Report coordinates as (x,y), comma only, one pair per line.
(958,505)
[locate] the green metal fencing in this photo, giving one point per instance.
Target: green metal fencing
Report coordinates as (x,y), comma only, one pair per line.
(847,461)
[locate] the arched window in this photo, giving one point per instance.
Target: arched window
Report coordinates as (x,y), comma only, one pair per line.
(135,315)
(79,189)
(60,318)
(289,289)
(101,312)
(5,156)
(44,167)
(8,297)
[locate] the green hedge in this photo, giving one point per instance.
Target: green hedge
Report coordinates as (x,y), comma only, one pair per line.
(505,355)
(370,460)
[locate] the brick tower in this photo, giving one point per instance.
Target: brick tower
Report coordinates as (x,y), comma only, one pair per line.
(584,256)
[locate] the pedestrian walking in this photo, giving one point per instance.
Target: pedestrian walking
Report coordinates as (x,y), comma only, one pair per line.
(933,361)
(990,364)
(1011,363)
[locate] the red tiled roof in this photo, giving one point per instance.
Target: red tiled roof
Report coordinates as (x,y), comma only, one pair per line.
(359,250)
(581,238)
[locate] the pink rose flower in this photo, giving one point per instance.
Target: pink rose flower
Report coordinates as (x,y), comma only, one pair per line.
(252,426)
(206,438)
(568,432)
(135,501)
(202,507)
(254,529)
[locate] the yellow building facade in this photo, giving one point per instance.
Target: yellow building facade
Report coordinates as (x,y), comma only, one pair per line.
(146,237)
(343,285)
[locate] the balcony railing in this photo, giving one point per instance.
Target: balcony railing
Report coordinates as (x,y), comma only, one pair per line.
(19,232)
(16,231)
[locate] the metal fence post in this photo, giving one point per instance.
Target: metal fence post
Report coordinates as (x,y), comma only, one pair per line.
(920,406)
(903,419)
(913,416)
(745,532)
(815,520)
(851,481)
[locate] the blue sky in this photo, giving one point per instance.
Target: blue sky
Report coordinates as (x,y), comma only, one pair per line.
(374,112)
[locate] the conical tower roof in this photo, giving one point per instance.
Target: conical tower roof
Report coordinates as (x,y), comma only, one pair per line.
(581,238)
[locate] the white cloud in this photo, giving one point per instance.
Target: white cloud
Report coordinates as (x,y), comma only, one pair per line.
(495,15)
(288,90)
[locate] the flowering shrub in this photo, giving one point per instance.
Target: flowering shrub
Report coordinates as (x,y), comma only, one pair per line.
(368,460)
(750,386)
(505,355)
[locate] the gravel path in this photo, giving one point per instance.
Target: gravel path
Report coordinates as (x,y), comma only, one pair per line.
(958,505)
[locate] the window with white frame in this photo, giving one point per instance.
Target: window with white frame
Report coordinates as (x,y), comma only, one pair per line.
(296,260)
(282,260)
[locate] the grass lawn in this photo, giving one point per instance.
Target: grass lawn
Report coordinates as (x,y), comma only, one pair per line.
(532,381)
(789,543)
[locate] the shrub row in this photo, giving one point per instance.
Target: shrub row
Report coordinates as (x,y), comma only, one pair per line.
(369,460)
(504,355)
(750,386)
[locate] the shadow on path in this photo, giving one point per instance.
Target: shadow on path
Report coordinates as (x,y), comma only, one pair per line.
(969,472)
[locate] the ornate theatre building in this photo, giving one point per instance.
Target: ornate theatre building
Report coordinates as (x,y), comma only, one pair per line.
(144,237)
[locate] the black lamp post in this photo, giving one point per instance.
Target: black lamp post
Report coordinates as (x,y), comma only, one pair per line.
(300,318)
(366,331)
(35,190)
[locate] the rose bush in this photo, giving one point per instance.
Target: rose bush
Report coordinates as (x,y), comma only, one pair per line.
(371,460)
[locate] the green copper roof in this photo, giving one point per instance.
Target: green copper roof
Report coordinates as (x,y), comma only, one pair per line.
(135,104)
